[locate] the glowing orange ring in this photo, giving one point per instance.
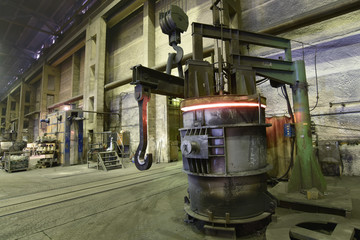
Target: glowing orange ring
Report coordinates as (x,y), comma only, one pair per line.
(221,105)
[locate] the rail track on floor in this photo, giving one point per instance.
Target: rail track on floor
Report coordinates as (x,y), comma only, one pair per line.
(32,201)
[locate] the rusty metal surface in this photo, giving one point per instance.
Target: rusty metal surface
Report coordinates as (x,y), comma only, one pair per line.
(312,226)
(223,221)
(195,146)
(199,80)
(278,146)
(229,184)
(240,197)
(245,149)
(222,116)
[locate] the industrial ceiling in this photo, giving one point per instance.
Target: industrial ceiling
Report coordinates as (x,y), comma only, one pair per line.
(30,27)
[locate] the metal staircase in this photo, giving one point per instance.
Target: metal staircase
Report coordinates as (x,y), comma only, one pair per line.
(106,154)
(108,160)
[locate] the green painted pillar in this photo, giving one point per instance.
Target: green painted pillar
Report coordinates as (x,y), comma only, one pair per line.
(306,173)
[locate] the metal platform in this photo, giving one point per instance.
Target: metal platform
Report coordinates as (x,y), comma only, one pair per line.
(313,226)
(336,200)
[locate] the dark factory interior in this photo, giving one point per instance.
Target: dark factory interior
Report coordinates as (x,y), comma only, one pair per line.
(179,119)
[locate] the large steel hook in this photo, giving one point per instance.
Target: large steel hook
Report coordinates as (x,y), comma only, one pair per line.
(142,98)
(175,58)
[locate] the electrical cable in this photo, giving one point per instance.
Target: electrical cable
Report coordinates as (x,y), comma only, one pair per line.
(282,96)
(315,66)
(316,81)
(284,91)
(258,84)
(291,162)
(303,51)
(261,81)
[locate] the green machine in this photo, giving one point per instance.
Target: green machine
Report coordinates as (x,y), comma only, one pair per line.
(223,141)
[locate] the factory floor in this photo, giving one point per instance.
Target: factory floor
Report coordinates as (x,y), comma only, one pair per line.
(80,203)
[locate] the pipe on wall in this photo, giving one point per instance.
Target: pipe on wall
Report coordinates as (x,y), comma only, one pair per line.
(333,113)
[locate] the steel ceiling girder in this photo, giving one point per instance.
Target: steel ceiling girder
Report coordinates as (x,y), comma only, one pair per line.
(46,20)
(28,26)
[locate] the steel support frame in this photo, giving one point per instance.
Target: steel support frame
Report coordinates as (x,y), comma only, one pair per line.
(147,81)
(200,30)
(158,82)
(306,172)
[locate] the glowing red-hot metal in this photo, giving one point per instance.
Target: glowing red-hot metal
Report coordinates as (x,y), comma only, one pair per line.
(221,105)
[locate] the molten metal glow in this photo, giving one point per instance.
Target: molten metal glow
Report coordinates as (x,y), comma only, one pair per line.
(221,105)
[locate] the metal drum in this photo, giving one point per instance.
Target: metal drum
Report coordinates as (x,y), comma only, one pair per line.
(223,144)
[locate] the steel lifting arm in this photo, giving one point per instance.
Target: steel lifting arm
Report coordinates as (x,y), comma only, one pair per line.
(142,98)
(148,80)
(158,82)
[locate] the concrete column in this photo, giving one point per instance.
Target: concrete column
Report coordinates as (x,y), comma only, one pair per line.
(94,74)
(149,33)
(149,61)
(50,87)
(3,116)
(9,112)
(162,129)
(75,72)
(22,103)
(31,118)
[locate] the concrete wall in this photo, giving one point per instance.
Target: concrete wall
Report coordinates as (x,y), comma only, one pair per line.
(82,63)
(122,100)
(198,11)
(124,47)
(260,14)
(335,45)
(335,42)
(65,80)
(125,50)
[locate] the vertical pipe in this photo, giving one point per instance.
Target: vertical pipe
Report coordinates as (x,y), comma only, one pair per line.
(67,130)
(306,173)
(80,137)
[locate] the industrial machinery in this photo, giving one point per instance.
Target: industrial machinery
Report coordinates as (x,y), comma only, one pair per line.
(223,141)
(5,147)
(15,161)
(8,146)
(67,128)
(47,151)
